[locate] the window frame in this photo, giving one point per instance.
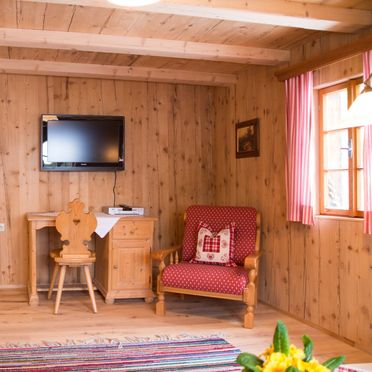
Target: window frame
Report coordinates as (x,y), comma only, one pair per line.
(351,86)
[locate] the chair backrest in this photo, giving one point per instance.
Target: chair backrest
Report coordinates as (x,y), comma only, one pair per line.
(246,233)
(76,229)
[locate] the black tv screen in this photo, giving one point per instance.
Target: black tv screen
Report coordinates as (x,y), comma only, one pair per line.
(82,143)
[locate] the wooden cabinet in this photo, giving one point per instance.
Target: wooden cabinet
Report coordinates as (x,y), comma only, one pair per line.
(123,266)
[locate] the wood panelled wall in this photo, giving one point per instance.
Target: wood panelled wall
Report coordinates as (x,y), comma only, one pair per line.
(169,135)
(180,149)
(321,274)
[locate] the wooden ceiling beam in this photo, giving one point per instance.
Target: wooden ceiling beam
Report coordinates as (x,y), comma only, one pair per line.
(27,38)
(272,12)
(346,51)
(36,67)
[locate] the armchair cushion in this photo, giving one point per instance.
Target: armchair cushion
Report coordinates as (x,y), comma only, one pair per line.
(217,217)
(215,247)
(209,278)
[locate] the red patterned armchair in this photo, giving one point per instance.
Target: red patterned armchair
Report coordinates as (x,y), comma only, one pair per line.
(236,281)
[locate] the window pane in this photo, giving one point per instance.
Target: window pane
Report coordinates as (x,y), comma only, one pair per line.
(335,150)
(360,191)
(334,109)
(336,190)
(360,140)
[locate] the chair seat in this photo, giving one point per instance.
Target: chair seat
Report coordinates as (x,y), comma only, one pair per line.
(203,277)
(80,260)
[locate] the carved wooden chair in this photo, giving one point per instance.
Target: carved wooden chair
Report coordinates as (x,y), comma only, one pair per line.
(76,229)
(212,280)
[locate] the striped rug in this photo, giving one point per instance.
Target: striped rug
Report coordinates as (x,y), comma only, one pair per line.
(196,354)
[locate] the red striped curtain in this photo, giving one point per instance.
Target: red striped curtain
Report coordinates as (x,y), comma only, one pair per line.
(367,154)
(299,98)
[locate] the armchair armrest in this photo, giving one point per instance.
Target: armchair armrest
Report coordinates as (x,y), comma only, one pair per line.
(162,254)
(251,261)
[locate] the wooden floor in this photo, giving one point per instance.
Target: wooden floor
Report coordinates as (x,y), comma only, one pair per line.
(21,323)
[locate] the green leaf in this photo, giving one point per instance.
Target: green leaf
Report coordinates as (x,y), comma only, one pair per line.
(292,369)
(333,362)
(281,340)
(248,360)
(308,347)
(252,369)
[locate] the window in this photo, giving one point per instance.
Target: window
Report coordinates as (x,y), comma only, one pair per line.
(341,148)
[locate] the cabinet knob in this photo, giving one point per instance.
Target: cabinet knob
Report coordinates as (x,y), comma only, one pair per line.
(115,267)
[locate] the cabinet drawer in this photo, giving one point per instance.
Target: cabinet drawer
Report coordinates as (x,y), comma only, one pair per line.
(133,230)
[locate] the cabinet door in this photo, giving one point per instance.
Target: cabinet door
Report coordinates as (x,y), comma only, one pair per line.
(131,264)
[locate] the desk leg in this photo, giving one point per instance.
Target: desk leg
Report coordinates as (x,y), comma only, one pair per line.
(33,297)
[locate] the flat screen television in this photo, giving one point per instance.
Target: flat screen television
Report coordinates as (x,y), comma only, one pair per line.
(82,143)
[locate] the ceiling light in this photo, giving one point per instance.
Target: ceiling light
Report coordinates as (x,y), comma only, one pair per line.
(133,3)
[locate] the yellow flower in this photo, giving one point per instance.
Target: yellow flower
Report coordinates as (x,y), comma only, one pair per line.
(267,352)
(279,362)
(296,353)
(314,366)
(276,362)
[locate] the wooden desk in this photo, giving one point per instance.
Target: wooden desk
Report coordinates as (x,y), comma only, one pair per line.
(123,257)
(35,222)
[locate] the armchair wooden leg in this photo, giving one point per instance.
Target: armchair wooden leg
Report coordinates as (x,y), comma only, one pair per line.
(60,288)
(248,317)
(256,291)
(54,275)
(90,287)
(250,299)
(160,304)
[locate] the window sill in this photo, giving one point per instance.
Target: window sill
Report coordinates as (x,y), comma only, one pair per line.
(342,218)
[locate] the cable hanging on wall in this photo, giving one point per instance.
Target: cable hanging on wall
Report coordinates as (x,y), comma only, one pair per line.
(114,189)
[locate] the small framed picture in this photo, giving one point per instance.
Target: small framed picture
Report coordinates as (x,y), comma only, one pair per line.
(248,139)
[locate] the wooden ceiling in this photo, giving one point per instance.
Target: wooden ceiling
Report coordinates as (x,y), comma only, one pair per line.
(197,41)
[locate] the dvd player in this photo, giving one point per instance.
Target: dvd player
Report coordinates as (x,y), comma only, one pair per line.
(119,211)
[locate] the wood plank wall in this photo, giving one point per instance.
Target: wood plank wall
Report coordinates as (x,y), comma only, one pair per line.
(169,134)
(321,274)
(180,149)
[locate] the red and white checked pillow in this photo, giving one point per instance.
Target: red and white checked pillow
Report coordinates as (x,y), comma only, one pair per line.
(215,247)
